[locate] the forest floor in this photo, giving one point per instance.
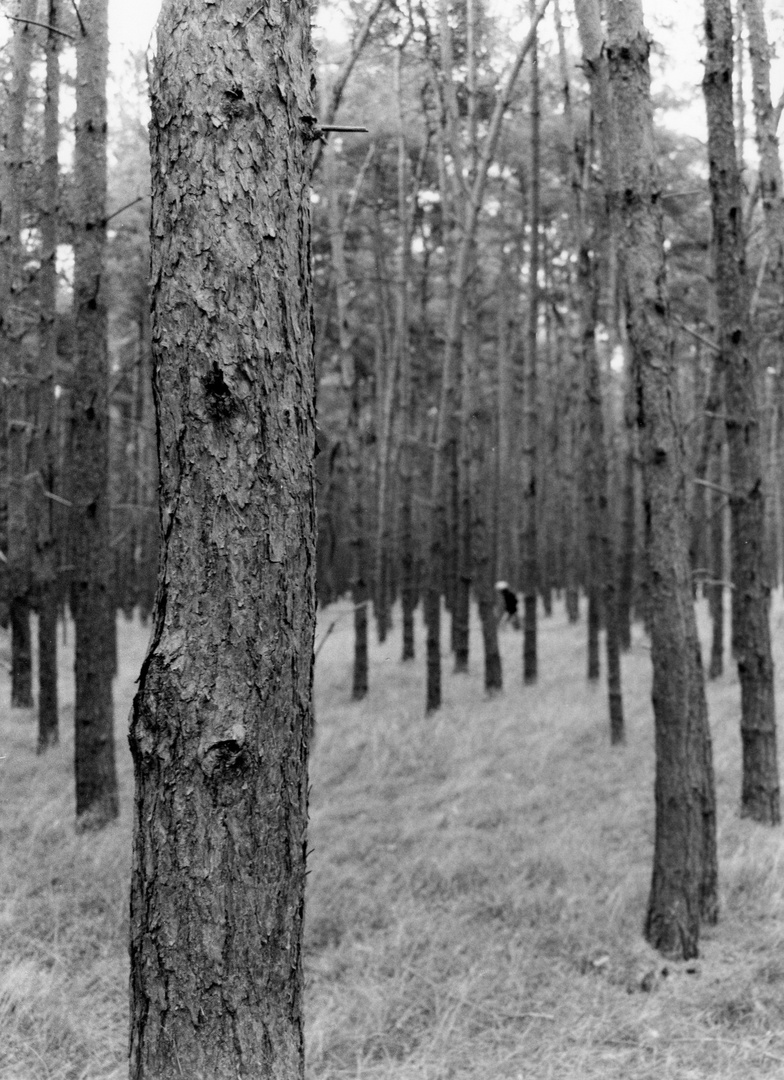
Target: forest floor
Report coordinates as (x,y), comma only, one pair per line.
(477,889)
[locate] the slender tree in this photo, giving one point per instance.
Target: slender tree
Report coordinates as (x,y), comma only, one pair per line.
(529,558)
(352,385)
(221,720)
(96,778)
(46,434)
(12,335)
(739,360)
(684,885)
(597,472)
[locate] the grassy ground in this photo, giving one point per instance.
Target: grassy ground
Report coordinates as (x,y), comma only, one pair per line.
(478,883)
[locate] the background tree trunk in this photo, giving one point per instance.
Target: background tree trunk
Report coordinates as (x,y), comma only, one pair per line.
(739,359)
(96,778)
(12,334)
(46,435)
(530,538)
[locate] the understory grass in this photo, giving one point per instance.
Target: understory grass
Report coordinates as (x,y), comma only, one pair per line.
(478,881)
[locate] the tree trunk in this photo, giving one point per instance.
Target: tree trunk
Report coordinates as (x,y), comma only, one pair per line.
(738,356)
(717,568)
(12,334)
(351,385)
(628,554)
(96,778)
(223,713)
(21,654)
(46,433)
(684,872)
(530,538)
(407,399)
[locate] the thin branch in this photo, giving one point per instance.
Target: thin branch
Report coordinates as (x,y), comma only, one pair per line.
(57,498)
(79,17)
(697,336)
(712,486)
(133,202)
(46,26)
(343,76)
(352,199)
(339,127)
(334,623)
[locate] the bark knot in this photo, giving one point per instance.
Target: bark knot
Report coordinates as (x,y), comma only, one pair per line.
(218,397)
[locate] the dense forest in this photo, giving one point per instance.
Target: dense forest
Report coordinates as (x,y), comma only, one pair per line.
(452,320)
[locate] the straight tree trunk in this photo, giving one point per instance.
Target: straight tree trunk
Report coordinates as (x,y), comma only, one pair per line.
(351,385)
(530,538)
(628,541)
(482,538)
(771,184)
(684,884)
(46,433)
(12,333)
(738,356)
(403,336)
(96,777)
(717,567)
(223,714)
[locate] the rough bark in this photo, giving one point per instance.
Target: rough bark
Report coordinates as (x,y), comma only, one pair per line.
(683,886)
(96,778)
(739,360)
(221,721)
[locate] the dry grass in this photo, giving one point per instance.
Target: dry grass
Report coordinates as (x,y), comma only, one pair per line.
(478,882)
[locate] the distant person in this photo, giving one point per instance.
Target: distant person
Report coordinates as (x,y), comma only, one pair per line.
(508,602)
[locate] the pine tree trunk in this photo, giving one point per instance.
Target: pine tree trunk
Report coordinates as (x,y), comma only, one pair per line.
(403,336)
(360,593)
(684,871)
(46,433)
(717,568)
(21,654)
(530,539)
(739,359)
(12,345)
(96,778)
(462,609)
(628,518)
(222,717)
(48,731)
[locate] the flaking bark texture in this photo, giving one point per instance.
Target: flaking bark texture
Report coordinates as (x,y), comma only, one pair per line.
(221,721)
(683,887)
(739,360)
(96,778)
